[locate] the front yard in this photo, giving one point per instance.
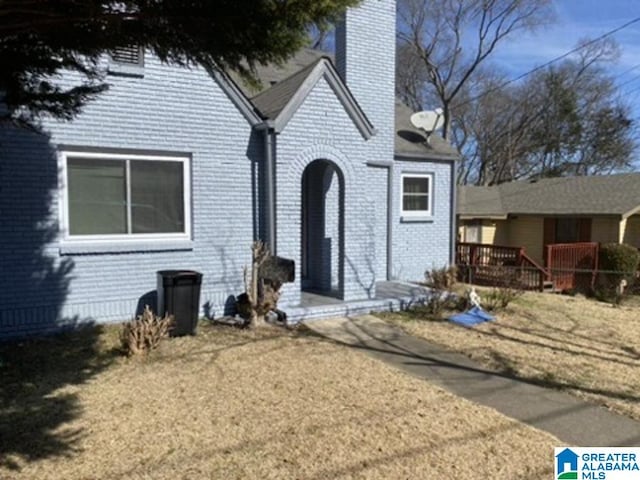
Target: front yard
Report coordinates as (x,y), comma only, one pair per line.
(588,348)
(241,404)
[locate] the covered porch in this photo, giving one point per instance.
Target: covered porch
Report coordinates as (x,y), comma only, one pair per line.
(390,296)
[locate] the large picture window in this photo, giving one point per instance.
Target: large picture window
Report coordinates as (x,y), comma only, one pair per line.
(416,195)
(125,196)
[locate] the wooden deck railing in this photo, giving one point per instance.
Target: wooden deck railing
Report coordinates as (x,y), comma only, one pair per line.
(537,274)
(485,254)
(499,265)
(572,265)
(568,265)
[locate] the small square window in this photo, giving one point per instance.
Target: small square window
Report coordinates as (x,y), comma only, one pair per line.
(416,195)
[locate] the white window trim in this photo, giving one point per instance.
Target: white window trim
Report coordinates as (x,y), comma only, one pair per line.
(416,213)
(63,206)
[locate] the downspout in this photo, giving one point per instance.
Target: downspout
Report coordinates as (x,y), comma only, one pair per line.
(454,226)
(270,212)
(390,223)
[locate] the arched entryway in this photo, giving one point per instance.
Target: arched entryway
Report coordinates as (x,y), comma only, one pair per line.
(322,239)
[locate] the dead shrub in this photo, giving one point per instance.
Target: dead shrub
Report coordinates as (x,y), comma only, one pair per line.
(441,279)
(144,333)
(499,298)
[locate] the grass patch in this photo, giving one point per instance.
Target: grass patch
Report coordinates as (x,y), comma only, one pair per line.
(575,344)
(243,404)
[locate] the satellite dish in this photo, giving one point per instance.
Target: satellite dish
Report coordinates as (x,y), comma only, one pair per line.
(429,120)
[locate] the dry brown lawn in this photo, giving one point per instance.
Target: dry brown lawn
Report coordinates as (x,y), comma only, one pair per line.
(232,404)
(586,347)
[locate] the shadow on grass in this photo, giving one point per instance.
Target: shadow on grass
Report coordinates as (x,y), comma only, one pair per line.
(403,350)
(33,408)
(602,351)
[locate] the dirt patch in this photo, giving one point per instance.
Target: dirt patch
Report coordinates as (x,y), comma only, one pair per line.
(576,344)
(273,404)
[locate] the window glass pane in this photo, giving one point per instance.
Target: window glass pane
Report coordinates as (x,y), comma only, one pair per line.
(97,196)
(415,202)
(157,195)
(416,185)
(566,230)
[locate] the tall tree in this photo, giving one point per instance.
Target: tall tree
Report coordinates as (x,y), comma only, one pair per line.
(566,119)
(443,43)
(41,38)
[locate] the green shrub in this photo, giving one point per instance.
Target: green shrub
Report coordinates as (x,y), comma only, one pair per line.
(620,258)
(618,264)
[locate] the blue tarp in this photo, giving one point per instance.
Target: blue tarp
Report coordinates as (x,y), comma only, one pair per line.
(471,317)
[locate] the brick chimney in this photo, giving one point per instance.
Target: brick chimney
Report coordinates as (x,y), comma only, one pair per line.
(366,59)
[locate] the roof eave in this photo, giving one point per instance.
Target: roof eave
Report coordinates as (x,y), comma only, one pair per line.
(239,99)
(488,216)
(427,156)
(633,211)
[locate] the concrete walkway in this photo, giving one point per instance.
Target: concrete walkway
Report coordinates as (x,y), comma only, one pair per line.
(573,421)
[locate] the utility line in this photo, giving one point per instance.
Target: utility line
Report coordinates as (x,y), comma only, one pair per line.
(552,61)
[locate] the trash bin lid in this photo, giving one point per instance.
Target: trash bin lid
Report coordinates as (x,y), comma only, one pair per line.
(178,273)
(182,277)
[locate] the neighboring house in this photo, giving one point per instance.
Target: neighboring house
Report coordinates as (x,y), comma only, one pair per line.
(178,168)
(533,214)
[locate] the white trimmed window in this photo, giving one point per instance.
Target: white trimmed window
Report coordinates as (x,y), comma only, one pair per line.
(417,197)
(122,197)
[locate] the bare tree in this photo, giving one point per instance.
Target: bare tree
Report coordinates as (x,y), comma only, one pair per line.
(566,119)
(322,36)
(452,38)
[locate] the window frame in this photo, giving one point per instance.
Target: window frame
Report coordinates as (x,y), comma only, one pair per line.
(127,69)
(66,237)
(416,213)
(138,64)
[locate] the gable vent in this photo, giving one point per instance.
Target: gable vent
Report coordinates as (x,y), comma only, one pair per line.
(129,55)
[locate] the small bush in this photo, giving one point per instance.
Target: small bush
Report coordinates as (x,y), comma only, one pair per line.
(143,334)
(436,304)
(435,307)
(619,258)
(618,264)
(441,278)
(499,298)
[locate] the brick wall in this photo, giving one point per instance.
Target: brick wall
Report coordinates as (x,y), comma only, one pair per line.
(46,284)
(43,285)
(322,130)
(425,243)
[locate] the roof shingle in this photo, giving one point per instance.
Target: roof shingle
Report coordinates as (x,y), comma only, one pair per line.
(280,82)
(589,195)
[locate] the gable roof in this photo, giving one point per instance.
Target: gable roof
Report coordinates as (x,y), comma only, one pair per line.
(282,100)
(271,102)
(593,195)
(281,81)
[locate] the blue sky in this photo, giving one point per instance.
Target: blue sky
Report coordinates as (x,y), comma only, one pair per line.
(578,19)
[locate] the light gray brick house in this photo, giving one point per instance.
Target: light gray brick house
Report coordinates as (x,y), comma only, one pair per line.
(177,168)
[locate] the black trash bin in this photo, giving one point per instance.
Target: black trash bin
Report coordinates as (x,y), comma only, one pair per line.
(179,295)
